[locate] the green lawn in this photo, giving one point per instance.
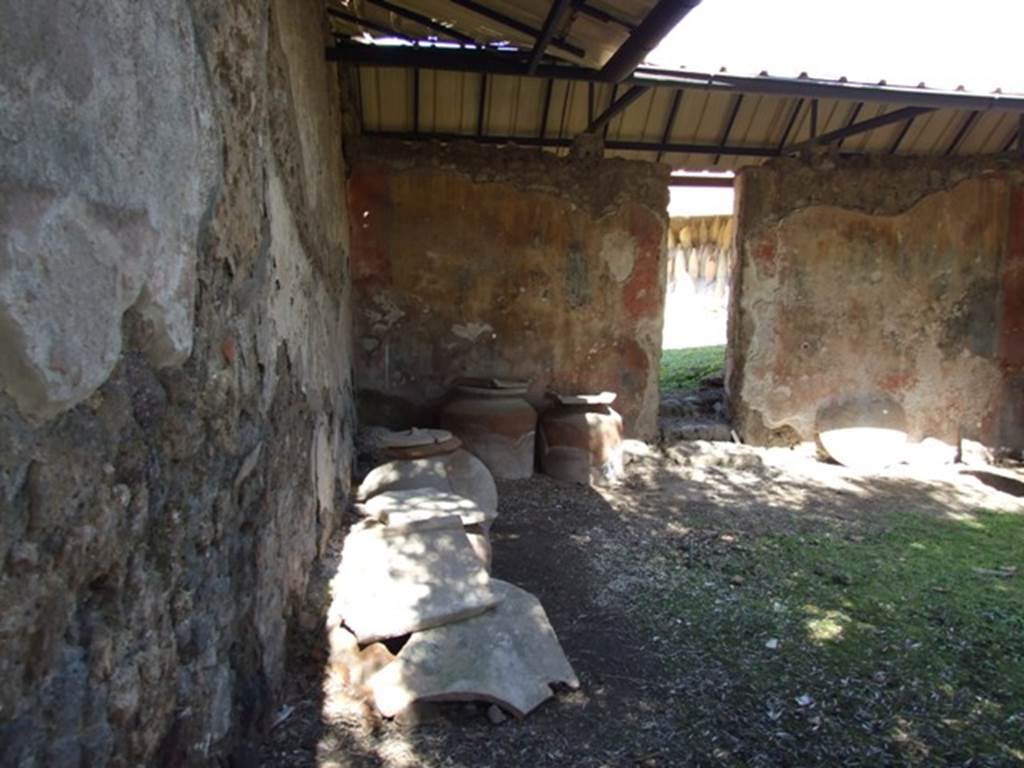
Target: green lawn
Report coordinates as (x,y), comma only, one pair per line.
(684,368)
(904,646)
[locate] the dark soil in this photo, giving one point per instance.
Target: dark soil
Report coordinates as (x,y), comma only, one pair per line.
(660,591)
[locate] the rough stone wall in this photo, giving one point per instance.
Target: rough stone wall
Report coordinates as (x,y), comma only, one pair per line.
(176,408)
(471,260)
(894,276)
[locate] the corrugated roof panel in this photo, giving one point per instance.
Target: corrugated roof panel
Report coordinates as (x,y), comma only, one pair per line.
(558,116)
(599,39)
(831,115)
(531,104)
(369,98)
(499,104)
(631,124)
(858,141)
(577,110)
(691,111)
(747,122)
(716,114)
(446,100)
(987,135)
(449,104)
(657,113)
(930,133)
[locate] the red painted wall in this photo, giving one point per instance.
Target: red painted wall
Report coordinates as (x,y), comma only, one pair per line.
(505,263)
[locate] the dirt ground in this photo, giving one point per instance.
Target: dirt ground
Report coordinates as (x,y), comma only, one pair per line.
(652,692)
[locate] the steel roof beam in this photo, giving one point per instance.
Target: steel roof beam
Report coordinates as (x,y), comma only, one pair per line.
(536,141)
(962,133)
(901,136)
(854,114)
(677,99)
(729,123)
(790,124)
(543,39)
(617,106)
(547,108)
(863,126)
(353,19)
(1016,138)
(518,26)
(658,22)
(498,63)
(601,15)
(423,21)
(480,107)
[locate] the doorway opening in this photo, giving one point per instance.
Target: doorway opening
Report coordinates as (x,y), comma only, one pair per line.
(700,258)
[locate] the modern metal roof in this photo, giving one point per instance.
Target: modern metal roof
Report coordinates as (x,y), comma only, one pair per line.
(588,34)
(480,87)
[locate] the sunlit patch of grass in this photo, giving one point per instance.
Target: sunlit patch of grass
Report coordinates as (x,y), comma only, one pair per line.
(825,626)
(909,640)
(684,368)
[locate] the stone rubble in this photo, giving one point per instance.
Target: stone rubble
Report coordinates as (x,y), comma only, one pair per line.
(418,564)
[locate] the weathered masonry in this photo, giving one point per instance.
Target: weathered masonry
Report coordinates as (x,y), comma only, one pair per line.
(902,278)
(176,417)
(468,259)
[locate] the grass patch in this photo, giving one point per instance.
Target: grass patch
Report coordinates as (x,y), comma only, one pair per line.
(684,368)
(888,649)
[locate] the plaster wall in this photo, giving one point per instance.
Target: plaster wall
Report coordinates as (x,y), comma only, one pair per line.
(175,399)
(899,277)
(478,261)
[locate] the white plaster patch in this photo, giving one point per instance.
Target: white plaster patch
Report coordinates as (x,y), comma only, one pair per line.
(100,215)
(471,331)
(386,314)
(302,313)
(618,252)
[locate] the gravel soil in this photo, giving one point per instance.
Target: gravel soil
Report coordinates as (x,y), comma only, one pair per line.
(664,592)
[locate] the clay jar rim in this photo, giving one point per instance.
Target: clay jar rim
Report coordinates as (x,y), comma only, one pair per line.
(489,392)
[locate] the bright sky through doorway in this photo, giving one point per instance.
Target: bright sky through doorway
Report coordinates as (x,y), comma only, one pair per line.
(943,43)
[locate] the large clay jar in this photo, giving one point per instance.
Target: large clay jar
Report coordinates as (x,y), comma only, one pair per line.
(496,425)
(581,440)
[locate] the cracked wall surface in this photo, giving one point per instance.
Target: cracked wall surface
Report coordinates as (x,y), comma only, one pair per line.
(176,407)
(890,277)
(471,260)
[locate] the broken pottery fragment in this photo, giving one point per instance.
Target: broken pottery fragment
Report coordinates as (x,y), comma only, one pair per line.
(422,508)
(480,541)
(355,665)
(459,472)
(409,438)
(418,443)
(392,583)
(450,445)
(509,656)
(866,432)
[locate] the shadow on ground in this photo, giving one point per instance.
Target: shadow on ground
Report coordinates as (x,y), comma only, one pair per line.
(664,592)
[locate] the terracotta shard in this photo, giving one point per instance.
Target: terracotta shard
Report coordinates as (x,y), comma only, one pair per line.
(390,584)
(460,472)
(423,509)
(509,656)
